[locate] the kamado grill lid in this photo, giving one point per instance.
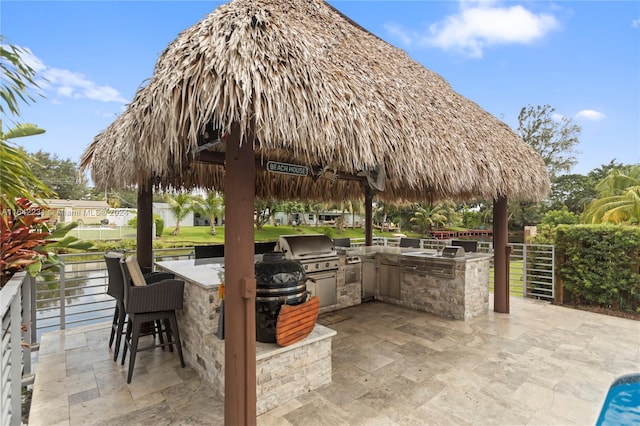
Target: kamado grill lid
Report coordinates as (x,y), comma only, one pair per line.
(306,246)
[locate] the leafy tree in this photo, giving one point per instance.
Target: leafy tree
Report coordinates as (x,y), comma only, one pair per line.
(552,137)
(596,175)
(618,198)
(180,204)
(574,191)
(560,217)
(210,206)
(264,209)
(290,207)
(316,207)
(523,213)
(17,179)
(61,175)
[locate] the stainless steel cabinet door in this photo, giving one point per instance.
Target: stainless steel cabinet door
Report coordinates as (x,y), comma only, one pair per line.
(369,278)
(389,280)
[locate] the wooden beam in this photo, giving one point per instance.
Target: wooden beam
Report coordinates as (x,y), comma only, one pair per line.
(144,234)
(500,256)
(240,283)
(218,159)
(368,215)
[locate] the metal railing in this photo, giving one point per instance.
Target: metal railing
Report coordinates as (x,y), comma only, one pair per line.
(77,295)
(531,266)
(15,364)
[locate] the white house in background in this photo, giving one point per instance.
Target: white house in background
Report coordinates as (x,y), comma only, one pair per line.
(164,211)
(325,218)
(84,212)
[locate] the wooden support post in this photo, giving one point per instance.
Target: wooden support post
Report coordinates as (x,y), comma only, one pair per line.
(144,234)
(240,285)
(500,256)
(368,215)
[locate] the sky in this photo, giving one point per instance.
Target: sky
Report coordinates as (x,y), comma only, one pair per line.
(580,57)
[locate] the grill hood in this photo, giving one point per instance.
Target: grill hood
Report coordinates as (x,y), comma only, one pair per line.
(301,247)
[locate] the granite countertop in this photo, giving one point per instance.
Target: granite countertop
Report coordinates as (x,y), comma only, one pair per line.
(203,272)
(207,272)
(368,251)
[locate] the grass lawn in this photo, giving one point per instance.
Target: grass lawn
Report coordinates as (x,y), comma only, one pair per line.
(201,234)
(515,278)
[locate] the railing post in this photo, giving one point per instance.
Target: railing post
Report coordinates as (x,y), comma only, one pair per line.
(34,312)
(524,270)
(553,273)
(63,299)
(26,320)
(16,364)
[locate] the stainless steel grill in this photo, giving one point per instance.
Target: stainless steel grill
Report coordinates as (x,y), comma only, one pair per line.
(316,252)
(319,258)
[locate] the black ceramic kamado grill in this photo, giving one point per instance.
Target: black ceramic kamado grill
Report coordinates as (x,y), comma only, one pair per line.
(301,267)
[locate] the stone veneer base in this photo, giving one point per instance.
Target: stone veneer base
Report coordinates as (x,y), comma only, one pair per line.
(282,373)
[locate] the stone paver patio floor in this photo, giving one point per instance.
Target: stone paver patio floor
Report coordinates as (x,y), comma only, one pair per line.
(540,365)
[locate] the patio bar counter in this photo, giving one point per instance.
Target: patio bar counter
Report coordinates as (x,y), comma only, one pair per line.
(282,373)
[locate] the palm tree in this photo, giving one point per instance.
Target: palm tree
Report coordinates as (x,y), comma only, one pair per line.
(180,204)
(211,207)
(355,208)
(433,216)
(16,175)
(618,198)
(316,207)
(290,207)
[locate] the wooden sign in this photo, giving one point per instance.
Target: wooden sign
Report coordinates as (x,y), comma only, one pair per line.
(286,168)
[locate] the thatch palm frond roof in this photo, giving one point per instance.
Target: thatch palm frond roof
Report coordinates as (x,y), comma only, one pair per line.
(310,87)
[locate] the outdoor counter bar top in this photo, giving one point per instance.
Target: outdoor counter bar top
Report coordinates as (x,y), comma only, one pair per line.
(282,373)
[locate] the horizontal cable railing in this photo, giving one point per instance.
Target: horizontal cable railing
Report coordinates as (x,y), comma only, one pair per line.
(77,295)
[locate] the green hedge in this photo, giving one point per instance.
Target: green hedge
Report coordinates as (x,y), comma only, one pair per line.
(600,264)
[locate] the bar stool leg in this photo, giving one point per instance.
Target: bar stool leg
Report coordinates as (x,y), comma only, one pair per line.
(176,336)
(127,340)
(114,325)
(121,320)
(134,347)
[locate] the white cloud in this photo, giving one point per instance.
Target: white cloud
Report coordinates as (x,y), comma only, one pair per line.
(635,23)
(557,117)
(589,114)
(69,84)
(400,33)
(479,25)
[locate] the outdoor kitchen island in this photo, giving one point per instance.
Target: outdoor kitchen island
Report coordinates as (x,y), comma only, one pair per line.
(425,280)
(282,373)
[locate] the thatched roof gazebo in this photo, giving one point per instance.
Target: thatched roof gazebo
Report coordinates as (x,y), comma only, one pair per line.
(263,82)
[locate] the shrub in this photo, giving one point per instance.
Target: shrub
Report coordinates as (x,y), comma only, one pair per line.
(27,242)
(600,264)
(159,224)
(159,221)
